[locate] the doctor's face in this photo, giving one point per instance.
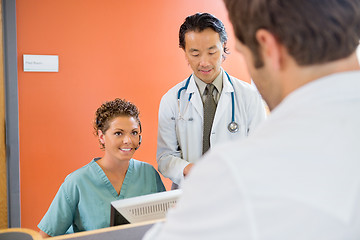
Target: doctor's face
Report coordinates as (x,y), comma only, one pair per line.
(204,53)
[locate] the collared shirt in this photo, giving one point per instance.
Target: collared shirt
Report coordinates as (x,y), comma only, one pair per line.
(218,83)
(83,200)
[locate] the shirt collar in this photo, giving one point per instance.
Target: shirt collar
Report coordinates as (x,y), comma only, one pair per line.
(218,83)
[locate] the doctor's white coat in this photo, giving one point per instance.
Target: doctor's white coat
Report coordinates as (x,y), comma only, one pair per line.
(180,133)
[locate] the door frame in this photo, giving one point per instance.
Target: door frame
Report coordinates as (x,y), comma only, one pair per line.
(11,112)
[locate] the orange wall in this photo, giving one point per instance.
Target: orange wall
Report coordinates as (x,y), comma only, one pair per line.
(107,49)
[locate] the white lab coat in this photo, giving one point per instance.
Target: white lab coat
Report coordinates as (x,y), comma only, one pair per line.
(180,139)
(296,177)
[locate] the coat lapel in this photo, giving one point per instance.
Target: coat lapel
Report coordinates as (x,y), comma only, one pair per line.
(224,105)
(195,99)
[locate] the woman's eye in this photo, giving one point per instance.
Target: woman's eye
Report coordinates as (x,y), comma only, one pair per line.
(117,133)
(212,53)
(135,133)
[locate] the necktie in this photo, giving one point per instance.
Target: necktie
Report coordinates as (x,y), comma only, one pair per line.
(209,113)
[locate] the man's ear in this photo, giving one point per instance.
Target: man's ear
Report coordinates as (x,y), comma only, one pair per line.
(223,51)
(270,49)
(186,57)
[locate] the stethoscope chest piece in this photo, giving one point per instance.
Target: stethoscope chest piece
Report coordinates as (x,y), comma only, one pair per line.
(233,127)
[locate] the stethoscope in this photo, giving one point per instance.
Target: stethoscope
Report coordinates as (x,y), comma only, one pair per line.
(233,126)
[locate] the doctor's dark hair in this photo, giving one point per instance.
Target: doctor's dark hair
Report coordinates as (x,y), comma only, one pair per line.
(312,31)
(112,109)
(198,23)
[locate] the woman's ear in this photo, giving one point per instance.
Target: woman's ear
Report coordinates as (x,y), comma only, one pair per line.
(101,137)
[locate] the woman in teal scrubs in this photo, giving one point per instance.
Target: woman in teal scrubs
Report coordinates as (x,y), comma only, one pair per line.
(83,200)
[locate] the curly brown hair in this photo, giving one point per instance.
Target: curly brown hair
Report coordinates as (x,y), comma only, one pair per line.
(112,109)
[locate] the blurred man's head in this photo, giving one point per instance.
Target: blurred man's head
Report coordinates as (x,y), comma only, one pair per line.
(307,33)
(312,31)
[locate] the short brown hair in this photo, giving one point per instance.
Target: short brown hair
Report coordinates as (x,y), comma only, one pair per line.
(313,31)
(111,109)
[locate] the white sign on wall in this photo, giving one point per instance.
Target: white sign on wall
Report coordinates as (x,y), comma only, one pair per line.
(41,63)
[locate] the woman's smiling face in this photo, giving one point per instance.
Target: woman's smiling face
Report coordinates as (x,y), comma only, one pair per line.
(121,138)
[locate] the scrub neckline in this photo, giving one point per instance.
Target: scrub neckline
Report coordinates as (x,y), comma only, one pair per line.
(107,182)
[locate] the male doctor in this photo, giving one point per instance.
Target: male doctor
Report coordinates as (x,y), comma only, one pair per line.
(209,107)
(297,176)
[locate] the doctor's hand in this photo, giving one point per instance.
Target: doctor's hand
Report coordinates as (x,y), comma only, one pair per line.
(187,169)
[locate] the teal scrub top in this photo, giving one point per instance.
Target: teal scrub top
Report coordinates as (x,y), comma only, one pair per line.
(83,200)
